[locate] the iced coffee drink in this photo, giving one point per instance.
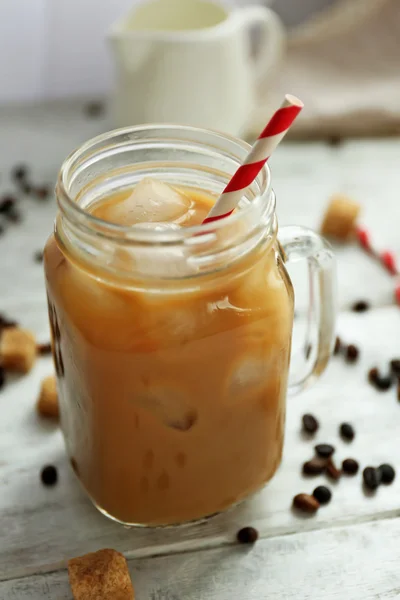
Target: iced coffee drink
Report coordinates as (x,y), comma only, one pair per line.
(171,339)
(172,403)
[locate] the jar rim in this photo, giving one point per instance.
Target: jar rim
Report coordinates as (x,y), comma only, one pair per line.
(262,203)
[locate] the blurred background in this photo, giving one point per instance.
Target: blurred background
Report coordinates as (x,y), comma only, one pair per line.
(340,56)
(57,48)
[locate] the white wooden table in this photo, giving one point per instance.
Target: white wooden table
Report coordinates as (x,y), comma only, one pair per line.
(351,548)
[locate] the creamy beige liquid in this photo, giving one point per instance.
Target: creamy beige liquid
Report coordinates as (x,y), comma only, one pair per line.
(172,405)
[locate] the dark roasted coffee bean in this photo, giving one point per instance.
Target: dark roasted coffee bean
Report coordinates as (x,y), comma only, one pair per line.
(94,109)
(338,346)
(395,367)
(347,431)
(2,377)
(44,349)
(372,478)
(310,423)
(334,140)
(306,503)
(332,471)
(7,203)
(350,466)
(387,473)
(38,256)
(315,466)
(49,475)
(322,494)
(42,192)
(324,450)
(247,535)
(352,353)
(19,173)
(383,383)
(373,375)
(360,306)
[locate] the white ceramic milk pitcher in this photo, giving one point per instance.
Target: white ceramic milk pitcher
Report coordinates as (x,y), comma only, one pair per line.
(189,62)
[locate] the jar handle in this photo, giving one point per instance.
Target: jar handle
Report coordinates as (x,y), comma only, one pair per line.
(299,243)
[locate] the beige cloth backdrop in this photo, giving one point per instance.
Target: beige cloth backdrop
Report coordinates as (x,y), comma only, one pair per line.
(345,66)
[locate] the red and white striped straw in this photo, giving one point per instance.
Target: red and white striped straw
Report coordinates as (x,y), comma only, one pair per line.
(269,138)
(386,257)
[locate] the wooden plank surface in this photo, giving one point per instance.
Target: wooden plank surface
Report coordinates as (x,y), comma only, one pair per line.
(44,527)
(303,566)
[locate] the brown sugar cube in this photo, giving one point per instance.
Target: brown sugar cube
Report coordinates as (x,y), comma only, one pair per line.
(101,575)
(17,349)
(340,218)
(47,404)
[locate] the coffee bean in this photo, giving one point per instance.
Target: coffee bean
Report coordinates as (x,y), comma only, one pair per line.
(332,471)
(395,367)
(352,353)
(306,503)
(360,306)
(38,256)
(322,494)
(324,450)
(247,535)
(2,377)
(347,431)
(310,423)
(94,109)
(373,375)
(49,475)
(315,466)
(383,383)
(19,173)
(350,466)
(338,346)
(7,203)
(334,141)
(42,192)
(372,478)
(387,473)
(44,349)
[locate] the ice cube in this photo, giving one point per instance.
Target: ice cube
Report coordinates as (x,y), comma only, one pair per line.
(169,406)
(151,201)
(249,374)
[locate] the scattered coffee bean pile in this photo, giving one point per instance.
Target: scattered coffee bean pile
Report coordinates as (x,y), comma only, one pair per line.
(383,383)
(322,463)
(350,352)
(374,476)
(11,203)
(380,382)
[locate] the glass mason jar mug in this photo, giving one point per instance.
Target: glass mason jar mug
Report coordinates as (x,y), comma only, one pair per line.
(172,345)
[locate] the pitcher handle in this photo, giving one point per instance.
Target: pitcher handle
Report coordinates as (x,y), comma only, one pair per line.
(272,37)
(300,243)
